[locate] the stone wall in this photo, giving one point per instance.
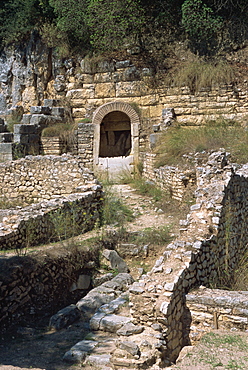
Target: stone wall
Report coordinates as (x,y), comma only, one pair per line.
(56,219)
(213,239)
(37,286)
(217,308)
(66,200)
(85,135)
(172,179)
(38,178)
(87,84)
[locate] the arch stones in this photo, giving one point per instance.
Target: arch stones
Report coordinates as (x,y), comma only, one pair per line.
(116,163)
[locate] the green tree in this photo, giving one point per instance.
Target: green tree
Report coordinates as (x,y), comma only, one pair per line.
(114,22)
(71,20)
(202,26)
(20,17)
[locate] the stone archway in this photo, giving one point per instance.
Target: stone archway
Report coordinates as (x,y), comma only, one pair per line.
(116,137)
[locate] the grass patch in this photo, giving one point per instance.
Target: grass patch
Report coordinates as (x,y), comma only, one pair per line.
(141,185)
(199,74)
(114,211)
(239,280)
(178,141)
(57,130)
(217,340)
(153,235)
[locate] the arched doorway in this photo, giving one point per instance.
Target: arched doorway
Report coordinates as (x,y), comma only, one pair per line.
(116,137)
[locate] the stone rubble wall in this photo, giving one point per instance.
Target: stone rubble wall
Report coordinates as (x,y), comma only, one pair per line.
(51,220)
(169,178)
(85,137)
(213,239)
(32,287)
(217,308)
(38,178)
(66,200)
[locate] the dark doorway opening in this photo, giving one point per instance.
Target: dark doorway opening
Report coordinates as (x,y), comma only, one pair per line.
(115,135)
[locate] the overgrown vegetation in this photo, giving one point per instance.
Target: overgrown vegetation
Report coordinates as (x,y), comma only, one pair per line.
(57,130)
(180,141)
(239,280)
(95,25)
(200,74)
(114,211)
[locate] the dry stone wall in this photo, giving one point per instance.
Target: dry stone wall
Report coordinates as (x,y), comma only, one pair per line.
(38,178)
(53,220)
(32,287)
(172,179)
(217,308)
(213,239)
(67,200)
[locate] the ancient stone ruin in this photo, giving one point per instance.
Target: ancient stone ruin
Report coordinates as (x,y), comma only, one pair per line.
(118,116)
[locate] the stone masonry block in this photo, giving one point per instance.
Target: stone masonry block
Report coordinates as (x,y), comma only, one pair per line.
(6,148)
(58,111)
(51,102)
(40,110)
(26,119)
(3,127)
(21,138)
(25,129)
(6,137)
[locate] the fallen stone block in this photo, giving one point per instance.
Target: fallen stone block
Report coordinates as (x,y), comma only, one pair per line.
(98,360)
(130,329)
(115,260)
(130,347)
(64,317)
(111,323)
(79,352)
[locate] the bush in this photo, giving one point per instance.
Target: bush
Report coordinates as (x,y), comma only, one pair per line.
(202,26)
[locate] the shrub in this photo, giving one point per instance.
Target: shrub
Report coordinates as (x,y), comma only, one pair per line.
(201,25)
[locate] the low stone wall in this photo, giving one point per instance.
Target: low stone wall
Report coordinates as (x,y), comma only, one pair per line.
(169,178)
(32,287)
(214,238)
(85,135)
(53,220)
(217,308)
(38,178)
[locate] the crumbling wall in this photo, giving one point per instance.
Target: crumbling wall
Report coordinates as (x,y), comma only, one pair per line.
(66,198)
(172,179)
(213,239)
(33,287)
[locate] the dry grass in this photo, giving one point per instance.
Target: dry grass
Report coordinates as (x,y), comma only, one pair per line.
(180,141)
(198,74)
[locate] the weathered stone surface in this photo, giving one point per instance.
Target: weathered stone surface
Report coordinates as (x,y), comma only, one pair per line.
(113,306)
(64,317)
(130,329)
(112,323)
(130,347)
(115,260)
(99,361)
(78,352)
